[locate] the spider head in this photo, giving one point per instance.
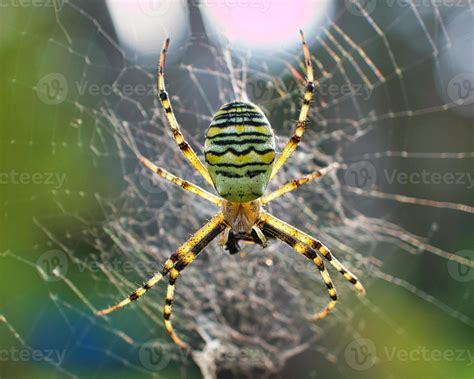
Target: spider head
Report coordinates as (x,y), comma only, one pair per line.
(239,151)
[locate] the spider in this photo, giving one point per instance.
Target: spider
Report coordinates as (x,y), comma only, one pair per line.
(240,154)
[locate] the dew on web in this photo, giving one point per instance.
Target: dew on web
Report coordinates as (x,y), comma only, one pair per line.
(249,312)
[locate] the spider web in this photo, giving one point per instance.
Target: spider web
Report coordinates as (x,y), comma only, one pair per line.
(387,92)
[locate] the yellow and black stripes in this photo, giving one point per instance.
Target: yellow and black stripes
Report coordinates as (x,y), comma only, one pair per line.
(239,151)
(239,135)
(240,156)
(184,255)
(277,230)
(316,245)
(183,145)
(300,126)
(181,262)
(184,184)
(173,276)
(326,253)
(291,186)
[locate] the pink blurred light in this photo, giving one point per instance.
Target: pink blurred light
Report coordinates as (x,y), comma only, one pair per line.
(259,21)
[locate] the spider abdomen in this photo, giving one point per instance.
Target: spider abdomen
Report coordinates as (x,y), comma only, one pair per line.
(239,151)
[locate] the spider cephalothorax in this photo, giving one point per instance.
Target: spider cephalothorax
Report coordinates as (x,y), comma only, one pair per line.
(242,219)
(240,154)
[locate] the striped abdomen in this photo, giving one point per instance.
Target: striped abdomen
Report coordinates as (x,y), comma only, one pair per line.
(239,151)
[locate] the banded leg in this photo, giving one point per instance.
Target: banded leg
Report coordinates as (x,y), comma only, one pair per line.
(297,183)
(174,273)
(188,250)
(168,308)
(309,253)
(188,186)
(308,95)
(184,146)
(316,245)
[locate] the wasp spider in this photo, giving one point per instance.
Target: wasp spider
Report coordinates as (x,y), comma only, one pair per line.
(240,155)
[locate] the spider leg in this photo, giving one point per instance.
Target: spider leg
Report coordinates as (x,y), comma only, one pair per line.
(286,236)
(291,186)
(298,133)
(188,186)
(298,235)
(183,145)
(174,273)
(185,253)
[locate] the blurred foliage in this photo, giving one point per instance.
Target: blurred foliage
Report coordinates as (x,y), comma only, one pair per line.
(24,296)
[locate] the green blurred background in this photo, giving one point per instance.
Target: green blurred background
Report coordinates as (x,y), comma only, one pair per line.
(419,340)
